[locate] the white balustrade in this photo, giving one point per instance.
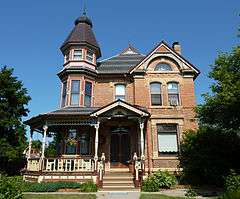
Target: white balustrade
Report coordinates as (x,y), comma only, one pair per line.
(33,165)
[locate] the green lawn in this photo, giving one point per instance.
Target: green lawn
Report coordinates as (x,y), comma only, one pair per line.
(59,196)
(158,196)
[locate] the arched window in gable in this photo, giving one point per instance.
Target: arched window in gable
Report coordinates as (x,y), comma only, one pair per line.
(163,67)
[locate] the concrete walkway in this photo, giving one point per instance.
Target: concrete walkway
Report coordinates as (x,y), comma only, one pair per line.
(118,195)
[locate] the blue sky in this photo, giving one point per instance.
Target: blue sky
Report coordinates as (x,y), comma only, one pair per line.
(32,32)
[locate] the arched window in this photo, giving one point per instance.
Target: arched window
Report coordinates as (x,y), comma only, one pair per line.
(163,67)
(156,94)
(173,93)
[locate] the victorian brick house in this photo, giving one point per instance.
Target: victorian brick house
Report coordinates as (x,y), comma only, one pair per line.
(126,112)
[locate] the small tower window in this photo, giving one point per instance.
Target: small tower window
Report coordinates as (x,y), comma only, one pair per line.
(163,67)
(78,54)
(88,94)
(90,56)
(120,91)
(75,90)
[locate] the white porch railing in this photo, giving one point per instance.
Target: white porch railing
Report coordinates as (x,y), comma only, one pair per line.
(63,164)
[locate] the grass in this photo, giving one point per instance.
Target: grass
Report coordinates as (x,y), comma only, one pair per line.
(60,196)
(158,196)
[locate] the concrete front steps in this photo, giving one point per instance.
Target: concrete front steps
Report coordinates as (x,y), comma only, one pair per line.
(118,180)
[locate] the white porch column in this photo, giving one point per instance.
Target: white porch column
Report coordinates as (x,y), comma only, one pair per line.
(96,145)
(142,139)
(45,128)
(30,143)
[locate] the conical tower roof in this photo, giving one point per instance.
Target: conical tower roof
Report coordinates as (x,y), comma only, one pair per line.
(82,34)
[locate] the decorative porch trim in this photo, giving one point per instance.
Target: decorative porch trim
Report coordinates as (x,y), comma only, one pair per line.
(121,104)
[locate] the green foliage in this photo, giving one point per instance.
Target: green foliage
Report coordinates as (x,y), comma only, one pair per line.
(207,155)
(231,195)
(88,187)
(191,193)
(55,186)
(232,182)
(13,102)
(221,108)
(10,187)
(160,179)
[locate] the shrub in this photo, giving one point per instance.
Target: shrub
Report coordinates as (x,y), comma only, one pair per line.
(207,155)
(88,187)
(49,186)
(10,187)
(232,182)
(160,179)
(231,195)
(191,193)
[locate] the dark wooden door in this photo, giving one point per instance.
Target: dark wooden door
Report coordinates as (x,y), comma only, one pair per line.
(120,148)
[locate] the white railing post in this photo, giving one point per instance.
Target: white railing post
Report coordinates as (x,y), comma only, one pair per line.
(96,145)
(30,143)
(45,128)
(142,139)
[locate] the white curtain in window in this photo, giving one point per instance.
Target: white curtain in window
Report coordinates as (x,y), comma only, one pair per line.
(167,142)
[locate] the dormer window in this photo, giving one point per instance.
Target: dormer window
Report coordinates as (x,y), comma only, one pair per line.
(89,56)
(163,67)
(78,54)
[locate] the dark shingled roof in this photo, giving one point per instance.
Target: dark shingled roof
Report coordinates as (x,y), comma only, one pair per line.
(74,110)
(121,63)
(82,34)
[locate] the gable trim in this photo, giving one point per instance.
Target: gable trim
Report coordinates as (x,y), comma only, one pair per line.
(171,51)
(122,104)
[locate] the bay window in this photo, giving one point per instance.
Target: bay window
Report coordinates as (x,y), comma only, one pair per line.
(75,92)
(88,94)
(89,56)
(167,138)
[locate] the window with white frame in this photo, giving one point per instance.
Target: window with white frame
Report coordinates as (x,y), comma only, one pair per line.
(156,96)
(163,67)
(120,91)
(89,56)
(167,138)
(88,94)
(75,92)
(64,94)
(78,54)
(173,93)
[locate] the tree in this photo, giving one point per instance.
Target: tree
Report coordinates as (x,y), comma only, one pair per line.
(221,109)
(209,154)
(13,102)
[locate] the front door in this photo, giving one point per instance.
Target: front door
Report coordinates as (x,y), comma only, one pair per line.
(120,147)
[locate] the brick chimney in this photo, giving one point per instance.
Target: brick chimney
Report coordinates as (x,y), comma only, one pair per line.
(176,47)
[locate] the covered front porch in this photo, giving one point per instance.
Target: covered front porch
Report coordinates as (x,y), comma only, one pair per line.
(90,143)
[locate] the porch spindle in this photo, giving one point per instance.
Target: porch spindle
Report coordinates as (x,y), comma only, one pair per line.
(30,143)
(142,139)
(96,146)
(45,128)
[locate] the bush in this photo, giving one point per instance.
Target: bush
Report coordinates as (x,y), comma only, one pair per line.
(160,179)
(232,182)
(55,186)
(10,187)
(231,195)
(191,193)
(88,187)
(207,155)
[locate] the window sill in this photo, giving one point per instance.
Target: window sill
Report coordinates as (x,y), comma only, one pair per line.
(166,158)
(165,107)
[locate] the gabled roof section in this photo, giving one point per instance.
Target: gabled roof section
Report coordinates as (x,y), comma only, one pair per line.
(164,48)
(123,104)
(121,63)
